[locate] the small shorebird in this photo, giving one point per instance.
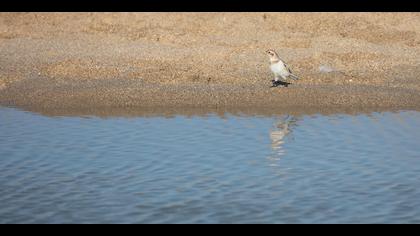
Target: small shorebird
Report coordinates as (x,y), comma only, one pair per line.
(280,69)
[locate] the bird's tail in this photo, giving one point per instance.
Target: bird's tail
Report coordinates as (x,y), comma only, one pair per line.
(294,77)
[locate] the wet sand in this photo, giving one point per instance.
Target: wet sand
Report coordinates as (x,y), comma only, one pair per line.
(132,61)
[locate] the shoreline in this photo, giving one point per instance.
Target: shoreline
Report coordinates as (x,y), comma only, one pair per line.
(171,112)
(152,101)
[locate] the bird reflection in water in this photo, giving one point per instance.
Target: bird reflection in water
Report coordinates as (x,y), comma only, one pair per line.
(283,127)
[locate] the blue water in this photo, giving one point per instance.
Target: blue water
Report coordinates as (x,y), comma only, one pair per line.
(209,169)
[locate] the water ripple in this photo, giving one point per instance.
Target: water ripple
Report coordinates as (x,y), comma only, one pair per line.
(232,169)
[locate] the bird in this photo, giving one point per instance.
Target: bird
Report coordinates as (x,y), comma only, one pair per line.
(280,69)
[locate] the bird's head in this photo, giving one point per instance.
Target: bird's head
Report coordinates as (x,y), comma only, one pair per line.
(272,55)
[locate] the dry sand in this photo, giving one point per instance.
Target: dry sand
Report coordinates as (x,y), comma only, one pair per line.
(85,61)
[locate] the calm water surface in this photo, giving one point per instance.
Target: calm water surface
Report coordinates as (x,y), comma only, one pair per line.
(210,169)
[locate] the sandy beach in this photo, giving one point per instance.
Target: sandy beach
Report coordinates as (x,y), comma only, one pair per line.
(83,61)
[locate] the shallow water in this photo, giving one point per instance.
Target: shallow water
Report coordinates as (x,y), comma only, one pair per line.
(210,169)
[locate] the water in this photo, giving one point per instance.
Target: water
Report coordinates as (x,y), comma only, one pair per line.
(210,169)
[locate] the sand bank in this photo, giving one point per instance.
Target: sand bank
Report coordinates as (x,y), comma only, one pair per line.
(83,61)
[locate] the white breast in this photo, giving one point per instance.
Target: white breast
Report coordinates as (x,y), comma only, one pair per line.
(279,69)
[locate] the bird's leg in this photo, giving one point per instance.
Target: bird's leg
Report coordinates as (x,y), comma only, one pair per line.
(283,82)
(275,82)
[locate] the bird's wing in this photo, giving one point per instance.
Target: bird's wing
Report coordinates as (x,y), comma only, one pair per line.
(287,68)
